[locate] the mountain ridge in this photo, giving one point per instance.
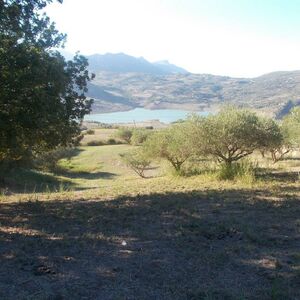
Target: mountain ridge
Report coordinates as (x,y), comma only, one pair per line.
(124,82)
(124,63)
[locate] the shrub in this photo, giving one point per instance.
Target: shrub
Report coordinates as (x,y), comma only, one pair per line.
(111,142)
(139,136)
(95,143)
(243,170)
(125,134)
(49,160)
(90,131)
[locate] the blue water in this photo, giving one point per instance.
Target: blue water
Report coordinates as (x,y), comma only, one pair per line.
(141,115)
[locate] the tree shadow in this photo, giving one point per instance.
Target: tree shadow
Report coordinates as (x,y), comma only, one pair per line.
(197,245)
(290,158)
(22,181)
(279,176)
(85,175)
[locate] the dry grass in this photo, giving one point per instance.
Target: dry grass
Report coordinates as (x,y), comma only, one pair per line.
(121,237)
(102,134)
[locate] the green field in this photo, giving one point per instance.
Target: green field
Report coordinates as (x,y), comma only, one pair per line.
(94,230)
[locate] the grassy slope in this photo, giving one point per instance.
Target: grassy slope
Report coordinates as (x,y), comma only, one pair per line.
(186,238)
(102,134)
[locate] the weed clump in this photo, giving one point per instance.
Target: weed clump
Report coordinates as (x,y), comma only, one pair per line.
(243,170)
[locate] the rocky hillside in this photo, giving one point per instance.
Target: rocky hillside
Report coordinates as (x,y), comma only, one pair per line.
(123,82)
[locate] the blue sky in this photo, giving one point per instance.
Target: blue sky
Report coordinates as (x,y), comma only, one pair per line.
(241,38)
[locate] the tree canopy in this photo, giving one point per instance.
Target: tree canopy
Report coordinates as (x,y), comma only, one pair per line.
(229,135)
(42,96)
(172,144)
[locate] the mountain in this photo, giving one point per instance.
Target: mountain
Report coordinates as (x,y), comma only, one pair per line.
(123,91)
(123,63)
(124,82)
(165,66)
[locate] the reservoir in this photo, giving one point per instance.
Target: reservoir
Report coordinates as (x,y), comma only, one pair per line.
(141,115)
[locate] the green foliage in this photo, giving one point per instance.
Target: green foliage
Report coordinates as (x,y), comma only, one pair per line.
(90,132)
(47,161)
(137,160)
(95,143)
(229,135)
(290,135)
(139,136)
(124,134)
(291,127)
(243,170)
(271,138)
(42,96)
(111,141)
(172,144)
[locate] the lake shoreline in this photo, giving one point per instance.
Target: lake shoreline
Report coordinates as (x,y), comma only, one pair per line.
(139,115)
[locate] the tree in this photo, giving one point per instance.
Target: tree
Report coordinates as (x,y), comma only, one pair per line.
(172,144)
(291,124)
(137,161)
(139,136)
(271,137)
(290,132)
(125,134)
(42,96)
(228,136)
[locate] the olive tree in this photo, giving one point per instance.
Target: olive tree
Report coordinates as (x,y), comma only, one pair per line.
(137,160)
(290,135)
(172,144)
(271,138)
(228,135)
(124,134)
(291,124)
(139,136)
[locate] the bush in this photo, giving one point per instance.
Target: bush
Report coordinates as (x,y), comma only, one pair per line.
(111,142)
(137,161)
(49,160)
(243,170)
(90,131)
(125,134)
(139,136)
(95,143)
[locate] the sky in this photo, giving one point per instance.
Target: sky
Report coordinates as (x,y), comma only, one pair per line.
(238,38)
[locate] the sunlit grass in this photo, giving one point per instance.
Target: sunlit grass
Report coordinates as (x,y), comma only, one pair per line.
(100,172)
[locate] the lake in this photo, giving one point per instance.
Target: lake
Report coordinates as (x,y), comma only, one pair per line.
(141,115)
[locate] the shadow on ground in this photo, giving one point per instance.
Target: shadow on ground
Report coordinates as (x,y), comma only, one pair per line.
(233,244)
(86,175)
(22,181)
(279,176)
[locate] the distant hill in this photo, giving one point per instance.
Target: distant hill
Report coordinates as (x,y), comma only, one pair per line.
(123,91)
(123,63)
(165,66)
(124,82)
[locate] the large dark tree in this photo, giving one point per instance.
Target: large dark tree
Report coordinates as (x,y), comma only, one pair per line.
(42,96)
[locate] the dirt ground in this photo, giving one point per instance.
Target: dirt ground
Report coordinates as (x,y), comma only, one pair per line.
(213,244)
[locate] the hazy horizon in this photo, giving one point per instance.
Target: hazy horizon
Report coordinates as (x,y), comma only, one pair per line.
(220,37)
